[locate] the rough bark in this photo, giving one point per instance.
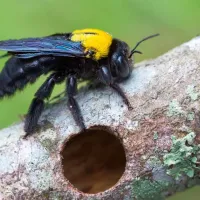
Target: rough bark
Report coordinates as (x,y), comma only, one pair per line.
(161,135)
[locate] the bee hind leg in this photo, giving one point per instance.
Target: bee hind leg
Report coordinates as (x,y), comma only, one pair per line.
(37,104)
(57,97)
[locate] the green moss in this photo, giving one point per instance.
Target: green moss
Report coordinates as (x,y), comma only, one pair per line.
(182,158)
(47,144)
(191,92)
(45,195)
(193,182)
(56,196)
(144,189)
(174,109)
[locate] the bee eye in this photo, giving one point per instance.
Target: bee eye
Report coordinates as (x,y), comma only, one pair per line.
(122,67)
(125,52)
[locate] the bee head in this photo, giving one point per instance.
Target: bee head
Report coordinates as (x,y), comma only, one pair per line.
(121,58)
(121,64)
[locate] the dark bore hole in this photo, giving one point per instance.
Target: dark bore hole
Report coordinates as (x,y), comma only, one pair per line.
(93,161)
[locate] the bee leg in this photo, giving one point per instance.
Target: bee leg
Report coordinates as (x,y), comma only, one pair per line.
(105,77)
(72,103)
(34,112)
(94,84)
(116,87)
(58,96)
(37,104)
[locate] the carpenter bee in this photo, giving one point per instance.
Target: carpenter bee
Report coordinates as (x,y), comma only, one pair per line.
(86,54)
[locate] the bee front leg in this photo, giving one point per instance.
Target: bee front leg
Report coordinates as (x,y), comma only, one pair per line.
(105,77)
(116,87)
(72,103)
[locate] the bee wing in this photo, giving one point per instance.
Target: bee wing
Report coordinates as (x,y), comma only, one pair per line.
(31,55)
(32,47)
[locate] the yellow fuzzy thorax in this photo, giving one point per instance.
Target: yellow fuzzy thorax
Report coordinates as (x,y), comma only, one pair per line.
(93,40)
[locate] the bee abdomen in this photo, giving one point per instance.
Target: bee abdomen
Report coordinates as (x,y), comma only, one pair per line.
(17,73)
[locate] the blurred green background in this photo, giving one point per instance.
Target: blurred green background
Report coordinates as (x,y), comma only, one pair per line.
(130,20)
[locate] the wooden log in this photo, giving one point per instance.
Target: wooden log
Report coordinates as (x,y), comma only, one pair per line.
(148,153)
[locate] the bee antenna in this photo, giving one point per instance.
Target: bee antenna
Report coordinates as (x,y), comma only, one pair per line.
(134,49)
(139,52)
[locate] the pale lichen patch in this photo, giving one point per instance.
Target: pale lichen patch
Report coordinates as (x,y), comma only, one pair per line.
(174,109)
(182,159)
(191,116)
(155,135)
(192,93)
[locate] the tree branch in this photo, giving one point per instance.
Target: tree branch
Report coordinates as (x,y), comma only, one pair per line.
(161,135)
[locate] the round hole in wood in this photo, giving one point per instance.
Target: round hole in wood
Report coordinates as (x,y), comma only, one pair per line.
(93,161)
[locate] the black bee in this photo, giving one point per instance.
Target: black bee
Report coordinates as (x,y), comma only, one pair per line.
(86,54)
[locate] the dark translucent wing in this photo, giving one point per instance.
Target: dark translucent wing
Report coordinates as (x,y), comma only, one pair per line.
(31,55)
(42,46)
